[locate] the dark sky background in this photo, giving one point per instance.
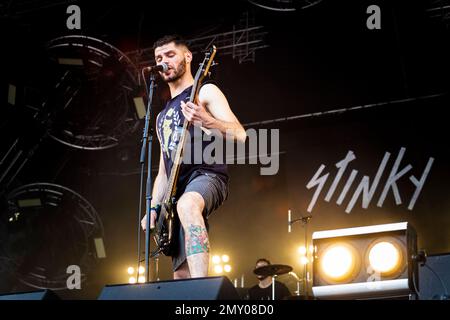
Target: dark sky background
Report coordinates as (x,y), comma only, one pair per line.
(320,59)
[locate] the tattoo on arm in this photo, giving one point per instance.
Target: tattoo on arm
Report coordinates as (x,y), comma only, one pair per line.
(197,240)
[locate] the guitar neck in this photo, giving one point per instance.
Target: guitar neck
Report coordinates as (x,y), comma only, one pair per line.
(173,178)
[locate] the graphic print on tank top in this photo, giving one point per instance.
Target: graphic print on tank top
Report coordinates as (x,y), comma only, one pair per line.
(171,125)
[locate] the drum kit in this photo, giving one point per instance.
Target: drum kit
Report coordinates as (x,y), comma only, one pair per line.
(273,270)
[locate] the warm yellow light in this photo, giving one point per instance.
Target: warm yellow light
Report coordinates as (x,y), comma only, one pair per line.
(303,260)
(141,279)
(227,268)
(132,280)
(337,262)
(225,258)
(130,270)
(215,259)
(141,270)
(302,250)
(384,257)
(218,269)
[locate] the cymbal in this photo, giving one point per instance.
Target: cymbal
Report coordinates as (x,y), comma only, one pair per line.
(272,270)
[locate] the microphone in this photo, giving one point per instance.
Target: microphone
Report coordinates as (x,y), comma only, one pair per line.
(162,67)
(306,219)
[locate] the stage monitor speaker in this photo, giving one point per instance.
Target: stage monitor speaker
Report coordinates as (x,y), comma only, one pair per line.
(32,295)
(209,288)
(435,285)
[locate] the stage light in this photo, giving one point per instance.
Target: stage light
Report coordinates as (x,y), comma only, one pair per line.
(131,280)
(225,258)
(365,262)
(25,203)
(70,62)
(215,259)
(227,268)
(302,250)
(218,269)
(12,94)
(140,107)
(385,257)
(141,270)
(141,279)
(130,270)
(100,248)
(338,262)
(304,260)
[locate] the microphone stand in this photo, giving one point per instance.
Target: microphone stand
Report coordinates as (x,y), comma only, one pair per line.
(146,137)
(304,221)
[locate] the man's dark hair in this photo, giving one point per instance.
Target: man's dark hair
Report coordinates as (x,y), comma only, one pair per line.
(175,38)
(262,260)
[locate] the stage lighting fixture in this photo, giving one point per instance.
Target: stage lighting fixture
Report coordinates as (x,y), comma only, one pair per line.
(140,107)
(304,260)
(218,269)
(302,250)
(338,262)
(12,94)
(365,262)
(130,270)
(100,248)
(132,280)
(141,270)
(216,259)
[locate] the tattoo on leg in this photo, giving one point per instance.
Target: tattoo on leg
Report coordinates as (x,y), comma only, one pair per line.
(197,240)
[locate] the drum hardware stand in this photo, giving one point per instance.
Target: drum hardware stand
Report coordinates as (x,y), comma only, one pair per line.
(304,221)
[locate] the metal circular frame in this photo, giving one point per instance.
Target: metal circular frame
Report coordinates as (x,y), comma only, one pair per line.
(89,69)
(284,5)
(33,210)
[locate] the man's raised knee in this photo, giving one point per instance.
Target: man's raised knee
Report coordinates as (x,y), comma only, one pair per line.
(190,205)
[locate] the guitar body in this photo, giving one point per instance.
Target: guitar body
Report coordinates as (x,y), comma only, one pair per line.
(167,222)
(166,227)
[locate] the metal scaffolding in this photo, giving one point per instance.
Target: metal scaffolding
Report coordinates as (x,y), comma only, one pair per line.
(439,10)
(241,43)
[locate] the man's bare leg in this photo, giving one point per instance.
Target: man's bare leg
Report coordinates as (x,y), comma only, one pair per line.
(190,207)
(182,272)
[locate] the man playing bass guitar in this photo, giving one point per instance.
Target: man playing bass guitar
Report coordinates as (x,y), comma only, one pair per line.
(201,187)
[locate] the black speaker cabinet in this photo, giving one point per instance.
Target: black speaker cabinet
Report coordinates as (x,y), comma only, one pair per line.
(209,288)
(33,295)
(435,285)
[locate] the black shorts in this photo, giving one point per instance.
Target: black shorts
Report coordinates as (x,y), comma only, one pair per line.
(214,191)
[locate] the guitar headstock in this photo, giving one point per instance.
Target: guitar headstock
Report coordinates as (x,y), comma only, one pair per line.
(209,59)
(203,71)
(206,64)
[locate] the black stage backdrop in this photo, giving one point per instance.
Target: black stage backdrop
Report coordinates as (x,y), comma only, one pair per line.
(320,65)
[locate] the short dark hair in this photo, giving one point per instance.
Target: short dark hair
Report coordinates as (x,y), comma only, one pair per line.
(175,38)
(262,260)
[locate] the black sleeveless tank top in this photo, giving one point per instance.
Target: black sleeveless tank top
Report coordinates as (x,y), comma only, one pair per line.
(169,125)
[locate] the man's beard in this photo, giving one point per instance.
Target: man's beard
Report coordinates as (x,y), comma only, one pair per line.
(178,73)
